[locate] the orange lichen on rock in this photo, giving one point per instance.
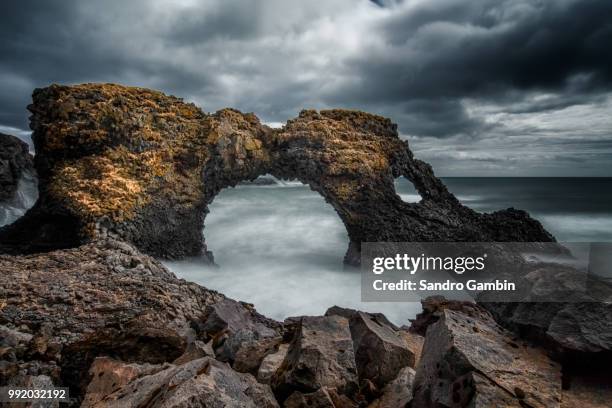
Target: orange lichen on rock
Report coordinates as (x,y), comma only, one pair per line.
(97,186)
(126,141)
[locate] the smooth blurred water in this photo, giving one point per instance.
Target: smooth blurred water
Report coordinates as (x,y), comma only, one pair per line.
(281,246)
(572,209)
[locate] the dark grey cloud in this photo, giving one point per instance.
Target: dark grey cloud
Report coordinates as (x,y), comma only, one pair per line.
(491,75)
(459,49)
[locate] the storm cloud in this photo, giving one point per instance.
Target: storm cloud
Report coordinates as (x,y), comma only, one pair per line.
(508,87)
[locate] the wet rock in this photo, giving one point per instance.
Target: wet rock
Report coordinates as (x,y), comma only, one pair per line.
(203,382)
(143,166)
(468,359)
(271,363)
(320,355)
(397,393)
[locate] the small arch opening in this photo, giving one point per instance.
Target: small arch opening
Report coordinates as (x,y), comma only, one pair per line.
(405,189)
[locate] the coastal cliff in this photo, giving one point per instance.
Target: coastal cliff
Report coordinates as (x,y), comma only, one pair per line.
(143,167)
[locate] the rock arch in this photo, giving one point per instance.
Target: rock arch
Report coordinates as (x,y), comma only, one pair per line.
(144,166)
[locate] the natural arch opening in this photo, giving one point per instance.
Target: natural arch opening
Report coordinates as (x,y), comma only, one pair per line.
(405,189)
(277,244)
(272,220)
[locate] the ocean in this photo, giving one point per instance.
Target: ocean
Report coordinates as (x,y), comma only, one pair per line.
(281,246)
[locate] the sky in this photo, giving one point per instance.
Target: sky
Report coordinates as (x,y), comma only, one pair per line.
(478,88)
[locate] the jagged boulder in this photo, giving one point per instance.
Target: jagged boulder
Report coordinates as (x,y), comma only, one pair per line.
(434,307)
(271,363)
(239,335)
(380,351)
(109,375)
(143,166)
(398,393)
(203,382)
(320,355)
(468,360)
(351,313)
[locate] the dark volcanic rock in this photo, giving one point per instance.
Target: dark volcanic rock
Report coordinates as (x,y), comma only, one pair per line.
(143,166)
(398,393)
(238,335)
(62,309)
(109,375)
(588,391)
(317,399)
(468,360)
(433,308)
(271,363)
(350,313)
(320,355)
(578,321)
(199,383)
(15,160)
(380,351)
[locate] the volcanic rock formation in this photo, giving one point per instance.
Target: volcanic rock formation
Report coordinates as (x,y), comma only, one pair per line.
(143,167)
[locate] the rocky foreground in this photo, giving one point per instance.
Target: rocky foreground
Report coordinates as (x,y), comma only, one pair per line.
(120,330)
